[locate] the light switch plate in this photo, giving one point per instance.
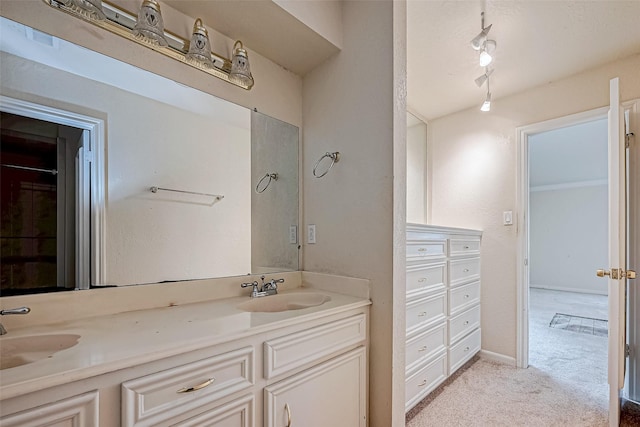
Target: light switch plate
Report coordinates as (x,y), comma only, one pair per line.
(311,234)
(508,217)
(293,234)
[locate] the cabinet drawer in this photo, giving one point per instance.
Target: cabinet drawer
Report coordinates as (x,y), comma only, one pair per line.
(237,413)
(425,380)
(427,249)
(423,346)
(464,350)
(464,270)
(463,297)
(148,400)
(423,279)
(463,323)
(426,311)
(464,246)
(295,350)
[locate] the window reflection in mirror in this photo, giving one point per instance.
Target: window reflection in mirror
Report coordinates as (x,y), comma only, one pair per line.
(416,170)
(161,133)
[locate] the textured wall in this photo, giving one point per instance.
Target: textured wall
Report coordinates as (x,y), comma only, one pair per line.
(472,161)
(348,106)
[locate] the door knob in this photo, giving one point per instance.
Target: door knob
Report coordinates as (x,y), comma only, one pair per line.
(617,273)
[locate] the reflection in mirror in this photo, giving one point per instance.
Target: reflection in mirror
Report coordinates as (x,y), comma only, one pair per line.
(416,170)
(156,132)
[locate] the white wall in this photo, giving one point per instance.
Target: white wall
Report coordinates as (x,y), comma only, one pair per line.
(417,173)
(349,105)
(472,161)
(568,238)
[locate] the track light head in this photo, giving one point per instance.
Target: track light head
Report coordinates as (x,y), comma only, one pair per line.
(479,40)
(486,105)
(483,78)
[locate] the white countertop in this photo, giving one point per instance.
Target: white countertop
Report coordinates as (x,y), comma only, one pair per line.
(118,341)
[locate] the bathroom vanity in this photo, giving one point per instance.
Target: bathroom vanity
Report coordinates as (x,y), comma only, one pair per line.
(443,305)
(216,363)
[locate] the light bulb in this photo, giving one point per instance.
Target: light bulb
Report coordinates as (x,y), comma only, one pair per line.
(485,58)
(486,105)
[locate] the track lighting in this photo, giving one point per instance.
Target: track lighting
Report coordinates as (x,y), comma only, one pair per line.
(483,78)
(487,49)
(478,41)
(486,105)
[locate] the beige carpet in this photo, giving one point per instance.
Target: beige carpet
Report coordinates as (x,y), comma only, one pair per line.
(491,394)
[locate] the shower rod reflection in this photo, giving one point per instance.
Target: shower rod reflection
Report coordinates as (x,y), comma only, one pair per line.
(215,196)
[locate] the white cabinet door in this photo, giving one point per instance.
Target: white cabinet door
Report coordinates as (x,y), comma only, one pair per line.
(330,394)
(75,411)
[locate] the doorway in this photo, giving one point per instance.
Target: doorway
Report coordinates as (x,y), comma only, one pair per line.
(568,241)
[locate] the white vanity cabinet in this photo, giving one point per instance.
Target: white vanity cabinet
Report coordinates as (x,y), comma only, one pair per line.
(315,367)
(443,305)
(80,410)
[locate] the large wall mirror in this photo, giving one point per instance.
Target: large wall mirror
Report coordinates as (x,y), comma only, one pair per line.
(86,138)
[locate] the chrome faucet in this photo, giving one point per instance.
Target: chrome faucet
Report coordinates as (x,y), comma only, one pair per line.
(19,310)
(267,288)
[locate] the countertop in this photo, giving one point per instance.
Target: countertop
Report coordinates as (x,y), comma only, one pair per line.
(118,341)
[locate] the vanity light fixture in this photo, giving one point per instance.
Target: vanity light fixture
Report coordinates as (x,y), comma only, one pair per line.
(149,25)
(240,70)
(89,8)
(199,46)
(147,28)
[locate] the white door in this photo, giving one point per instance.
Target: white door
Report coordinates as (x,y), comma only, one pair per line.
(617,252)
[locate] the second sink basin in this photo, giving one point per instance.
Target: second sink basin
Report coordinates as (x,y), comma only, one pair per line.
(284,302)
(23,350)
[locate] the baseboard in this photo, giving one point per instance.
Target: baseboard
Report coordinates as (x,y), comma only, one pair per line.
(563,289)
(497,357)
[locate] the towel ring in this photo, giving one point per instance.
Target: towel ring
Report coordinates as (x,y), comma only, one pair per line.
(271,176)
(335,157)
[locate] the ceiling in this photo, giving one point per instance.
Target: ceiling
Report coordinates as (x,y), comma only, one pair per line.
(537,42)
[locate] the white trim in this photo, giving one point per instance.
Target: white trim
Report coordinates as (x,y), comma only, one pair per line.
(568,289)
(497,357)
(568,185)
(522,230)
(96,130)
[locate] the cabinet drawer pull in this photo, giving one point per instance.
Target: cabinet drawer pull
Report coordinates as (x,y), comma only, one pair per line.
(197,387)
(423,383)
(424,313)
(422,279)
(466,246)
(466,322)
(466,295)
(466,349)
(422,249)
(466,270)
(286,408)
(423,348)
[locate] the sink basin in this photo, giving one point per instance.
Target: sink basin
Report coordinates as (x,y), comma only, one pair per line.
(284,302)
(22,350)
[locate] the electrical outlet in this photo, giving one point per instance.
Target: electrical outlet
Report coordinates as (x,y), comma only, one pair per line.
(311,234)
(293,234)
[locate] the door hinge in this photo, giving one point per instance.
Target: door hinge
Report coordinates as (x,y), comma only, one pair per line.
(88,156)
(627,350)
(627,139)
(526,261)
